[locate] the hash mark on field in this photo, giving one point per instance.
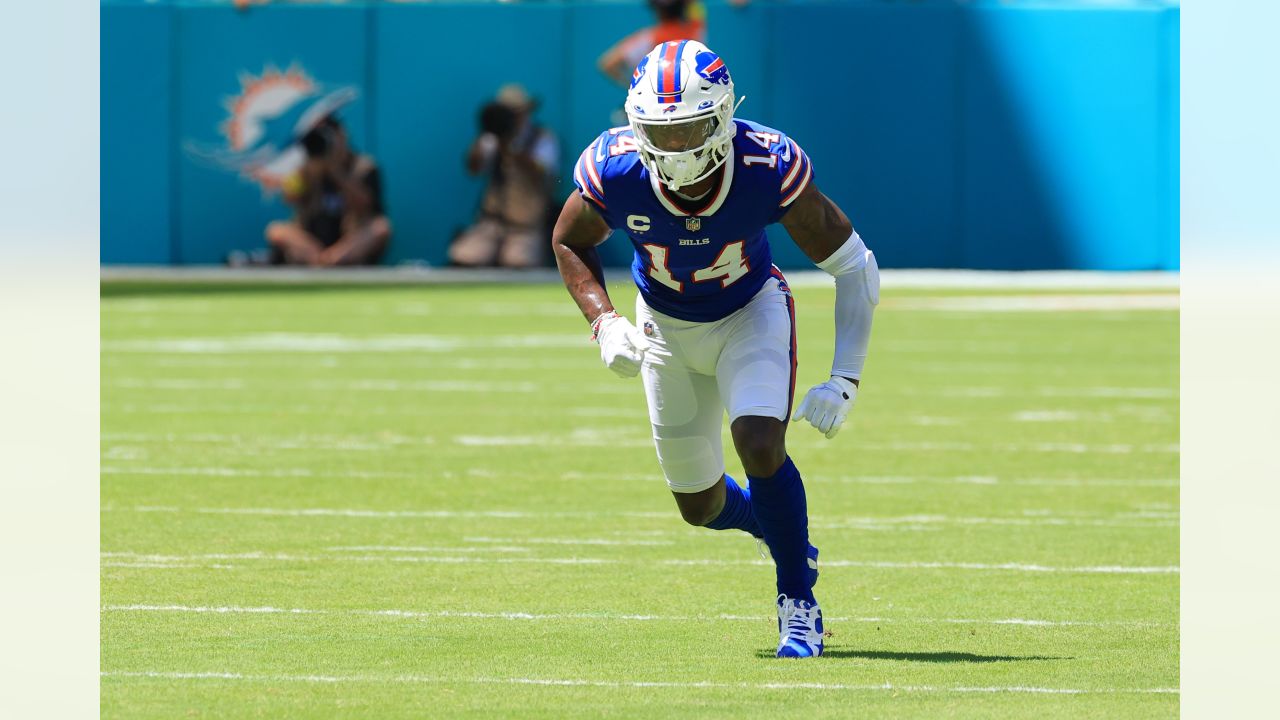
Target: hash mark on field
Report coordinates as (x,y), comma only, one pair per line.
(574,682)
(635,617)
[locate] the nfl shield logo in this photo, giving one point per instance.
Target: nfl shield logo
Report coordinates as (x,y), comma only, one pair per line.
(693,224)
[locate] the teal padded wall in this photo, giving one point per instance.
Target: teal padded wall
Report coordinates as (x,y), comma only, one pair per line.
(955,133)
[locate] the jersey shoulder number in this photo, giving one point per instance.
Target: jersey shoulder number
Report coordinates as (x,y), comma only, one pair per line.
(788,165)
(592,171)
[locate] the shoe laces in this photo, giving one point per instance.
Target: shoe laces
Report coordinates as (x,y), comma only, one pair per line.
(798,616)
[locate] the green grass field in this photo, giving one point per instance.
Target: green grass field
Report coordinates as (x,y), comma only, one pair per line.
(436,502)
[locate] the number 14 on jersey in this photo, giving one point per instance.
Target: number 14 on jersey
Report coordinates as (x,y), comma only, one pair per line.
(728,266)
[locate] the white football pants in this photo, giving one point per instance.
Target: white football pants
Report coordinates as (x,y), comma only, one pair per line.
(694,372)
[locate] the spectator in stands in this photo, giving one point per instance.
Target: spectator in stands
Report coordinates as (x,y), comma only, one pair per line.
(677,20)
(336,196)
(521,161)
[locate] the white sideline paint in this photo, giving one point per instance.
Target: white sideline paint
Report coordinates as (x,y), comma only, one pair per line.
(619,616)
(562,682)
(1036,303)
(891,565)
(891,278)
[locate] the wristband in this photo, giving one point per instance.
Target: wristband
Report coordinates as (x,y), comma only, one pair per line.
(595,324)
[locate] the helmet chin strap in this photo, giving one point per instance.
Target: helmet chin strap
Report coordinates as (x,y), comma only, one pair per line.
(714,164)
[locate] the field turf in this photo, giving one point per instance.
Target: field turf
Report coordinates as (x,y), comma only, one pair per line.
(394,502)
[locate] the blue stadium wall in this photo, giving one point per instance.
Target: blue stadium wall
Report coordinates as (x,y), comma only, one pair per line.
(1007,134)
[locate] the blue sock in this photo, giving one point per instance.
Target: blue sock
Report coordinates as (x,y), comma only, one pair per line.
(736,514)
(782,511)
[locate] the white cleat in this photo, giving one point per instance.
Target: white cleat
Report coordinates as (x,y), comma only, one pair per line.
(799,628)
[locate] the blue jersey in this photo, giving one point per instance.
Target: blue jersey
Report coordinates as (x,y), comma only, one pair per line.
(704,263)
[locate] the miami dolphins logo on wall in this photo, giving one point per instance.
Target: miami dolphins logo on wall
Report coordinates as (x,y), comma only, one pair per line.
(265,121)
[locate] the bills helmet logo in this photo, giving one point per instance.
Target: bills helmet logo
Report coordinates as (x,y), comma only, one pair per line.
(712,68)
(639,71)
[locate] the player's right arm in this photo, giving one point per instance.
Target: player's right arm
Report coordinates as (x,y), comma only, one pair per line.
(578,231)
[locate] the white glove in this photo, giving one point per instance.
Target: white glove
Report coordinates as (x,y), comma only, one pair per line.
(622,346)
(825,406)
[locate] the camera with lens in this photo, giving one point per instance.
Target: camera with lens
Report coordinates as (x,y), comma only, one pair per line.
(321,138)
(499,120)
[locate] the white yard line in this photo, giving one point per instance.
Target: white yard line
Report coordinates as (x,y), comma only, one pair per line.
(1041,447)
(574,682)
(568,541)
(381,441)
(584,437)
(340,343)
(606,388)
(1027,518)
(429,548)
(715,562)
(627,617)
(394,514)
(925,520)
(245,472)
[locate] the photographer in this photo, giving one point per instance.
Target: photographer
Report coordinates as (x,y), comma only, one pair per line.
(337,201)
(520,159)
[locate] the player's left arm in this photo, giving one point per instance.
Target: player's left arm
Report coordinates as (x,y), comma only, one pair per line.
(823,232)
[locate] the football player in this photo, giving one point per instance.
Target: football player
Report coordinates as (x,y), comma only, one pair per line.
(693,189)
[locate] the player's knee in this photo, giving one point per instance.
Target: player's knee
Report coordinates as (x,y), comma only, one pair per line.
(760,445)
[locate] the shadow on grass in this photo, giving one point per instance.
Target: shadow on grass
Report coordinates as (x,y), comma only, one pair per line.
(931,657)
